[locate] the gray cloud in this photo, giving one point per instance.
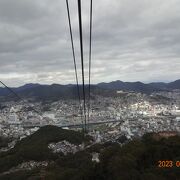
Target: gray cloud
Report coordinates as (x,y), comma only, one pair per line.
(132,41)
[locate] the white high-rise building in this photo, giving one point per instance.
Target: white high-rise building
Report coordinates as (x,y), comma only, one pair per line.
(13,119)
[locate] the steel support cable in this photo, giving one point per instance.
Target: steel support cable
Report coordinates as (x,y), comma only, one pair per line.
(13,92)
(90,55)
(82,59)
(74,57)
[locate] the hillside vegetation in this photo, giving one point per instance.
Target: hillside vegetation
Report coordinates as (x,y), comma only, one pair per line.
(35,147)
(137,160)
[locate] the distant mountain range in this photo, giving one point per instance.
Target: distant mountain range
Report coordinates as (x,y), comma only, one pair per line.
(57,91)
(140,87)
(49,92)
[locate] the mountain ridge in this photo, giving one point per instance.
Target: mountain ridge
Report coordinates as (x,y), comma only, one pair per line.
(140,87)
(59,91)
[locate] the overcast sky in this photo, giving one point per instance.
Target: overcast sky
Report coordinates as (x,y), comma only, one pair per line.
(132,41)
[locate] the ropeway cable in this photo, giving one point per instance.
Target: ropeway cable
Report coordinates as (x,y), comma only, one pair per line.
(82,60)
(90,52)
